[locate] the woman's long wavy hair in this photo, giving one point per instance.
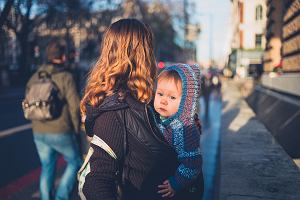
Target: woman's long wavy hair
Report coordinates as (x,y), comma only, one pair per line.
(126,60)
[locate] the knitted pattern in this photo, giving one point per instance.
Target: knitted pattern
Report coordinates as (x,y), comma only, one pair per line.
(180,130)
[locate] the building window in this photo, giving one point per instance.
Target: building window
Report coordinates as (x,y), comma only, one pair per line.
(258,41)
(258,12)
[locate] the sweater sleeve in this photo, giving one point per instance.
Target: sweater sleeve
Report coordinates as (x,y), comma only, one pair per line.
(187,146)
(100,182)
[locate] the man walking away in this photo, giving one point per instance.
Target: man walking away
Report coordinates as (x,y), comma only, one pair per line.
(53,125)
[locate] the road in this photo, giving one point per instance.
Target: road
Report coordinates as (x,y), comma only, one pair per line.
(210,141)
(17,151)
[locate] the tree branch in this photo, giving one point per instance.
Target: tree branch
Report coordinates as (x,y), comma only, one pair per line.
(5,12)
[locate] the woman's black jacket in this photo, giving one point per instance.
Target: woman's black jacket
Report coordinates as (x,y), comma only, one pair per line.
(148,159)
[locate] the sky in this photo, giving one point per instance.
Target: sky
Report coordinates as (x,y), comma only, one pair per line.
(214,39)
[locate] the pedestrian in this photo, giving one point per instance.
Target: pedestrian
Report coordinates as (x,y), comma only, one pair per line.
(206,89)
(176,100)
(116,110)
(55,135)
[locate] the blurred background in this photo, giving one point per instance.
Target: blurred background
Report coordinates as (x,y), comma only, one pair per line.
(251,46)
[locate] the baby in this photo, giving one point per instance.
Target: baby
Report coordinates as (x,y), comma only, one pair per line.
(176,100)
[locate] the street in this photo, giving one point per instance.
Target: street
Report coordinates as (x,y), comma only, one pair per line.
(17,150)
(248,53)
(210,141)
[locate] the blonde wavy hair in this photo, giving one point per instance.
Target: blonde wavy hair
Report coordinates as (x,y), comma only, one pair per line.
(127,60)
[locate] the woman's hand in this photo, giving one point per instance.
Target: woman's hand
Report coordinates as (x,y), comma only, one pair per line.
(166,190)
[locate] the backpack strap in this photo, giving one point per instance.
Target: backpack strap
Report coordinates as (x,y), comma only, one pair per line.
(100,143)
(44,74)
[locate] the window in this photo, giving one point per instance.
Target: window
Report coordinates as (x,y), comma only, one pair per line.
(258,41)
(258,12)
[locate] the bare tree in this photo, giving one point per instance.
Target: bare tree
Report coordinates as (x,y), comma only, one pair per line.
(22,23)
(65,14)
(160,20)
(5,12)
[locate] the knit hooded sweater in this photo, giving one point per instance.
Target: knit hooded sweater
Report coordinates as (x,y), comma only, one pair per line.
(180,130)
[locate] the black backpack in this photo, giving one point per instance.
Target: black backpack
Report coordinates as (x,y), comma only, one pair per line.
(42,100)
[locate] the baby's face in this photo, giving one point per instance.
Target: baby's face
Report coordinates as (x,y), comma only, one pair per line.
(167,97)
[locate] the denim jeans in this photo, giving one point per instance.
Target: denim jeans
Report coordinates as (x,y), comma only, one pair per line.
(48,146)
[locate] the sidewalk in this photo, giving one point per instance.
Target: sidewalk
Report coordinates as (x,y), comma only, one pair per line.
(253,166)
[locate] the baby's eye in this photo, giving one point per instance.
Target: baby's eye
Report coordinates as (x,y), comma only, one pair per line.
(160,94)
(173,98)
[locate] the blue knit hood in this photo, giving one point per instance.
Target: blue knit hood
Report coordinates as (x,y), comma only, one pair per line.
(191,84)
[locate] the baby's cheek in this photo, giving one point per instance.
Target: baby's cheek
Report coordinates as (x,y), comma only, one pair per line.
(155,104)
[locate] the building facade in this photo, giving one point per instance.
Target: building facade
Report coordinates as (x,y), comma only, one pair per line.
(248,40)
(272,55)
(283,47)
(291,37)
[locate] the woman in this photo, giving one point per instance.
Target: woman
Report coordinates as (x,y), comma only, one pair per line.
(115,105)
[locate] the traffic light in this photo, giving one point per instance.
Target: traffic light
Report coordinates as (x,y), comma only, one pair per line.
(161,65)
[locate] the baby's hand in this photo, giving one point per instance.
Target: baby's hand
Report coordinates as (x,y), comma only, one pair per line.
(166,190)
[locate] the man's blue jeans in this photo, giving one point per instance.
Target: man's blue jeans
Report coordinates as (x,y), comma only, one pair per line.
(48,146)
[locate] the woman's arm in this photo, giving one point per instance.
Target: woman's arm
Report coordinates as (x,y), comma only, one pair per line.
(100,182)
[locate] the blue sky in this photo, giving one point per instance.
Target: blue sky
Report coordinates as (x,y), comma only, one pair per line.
(214,18)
